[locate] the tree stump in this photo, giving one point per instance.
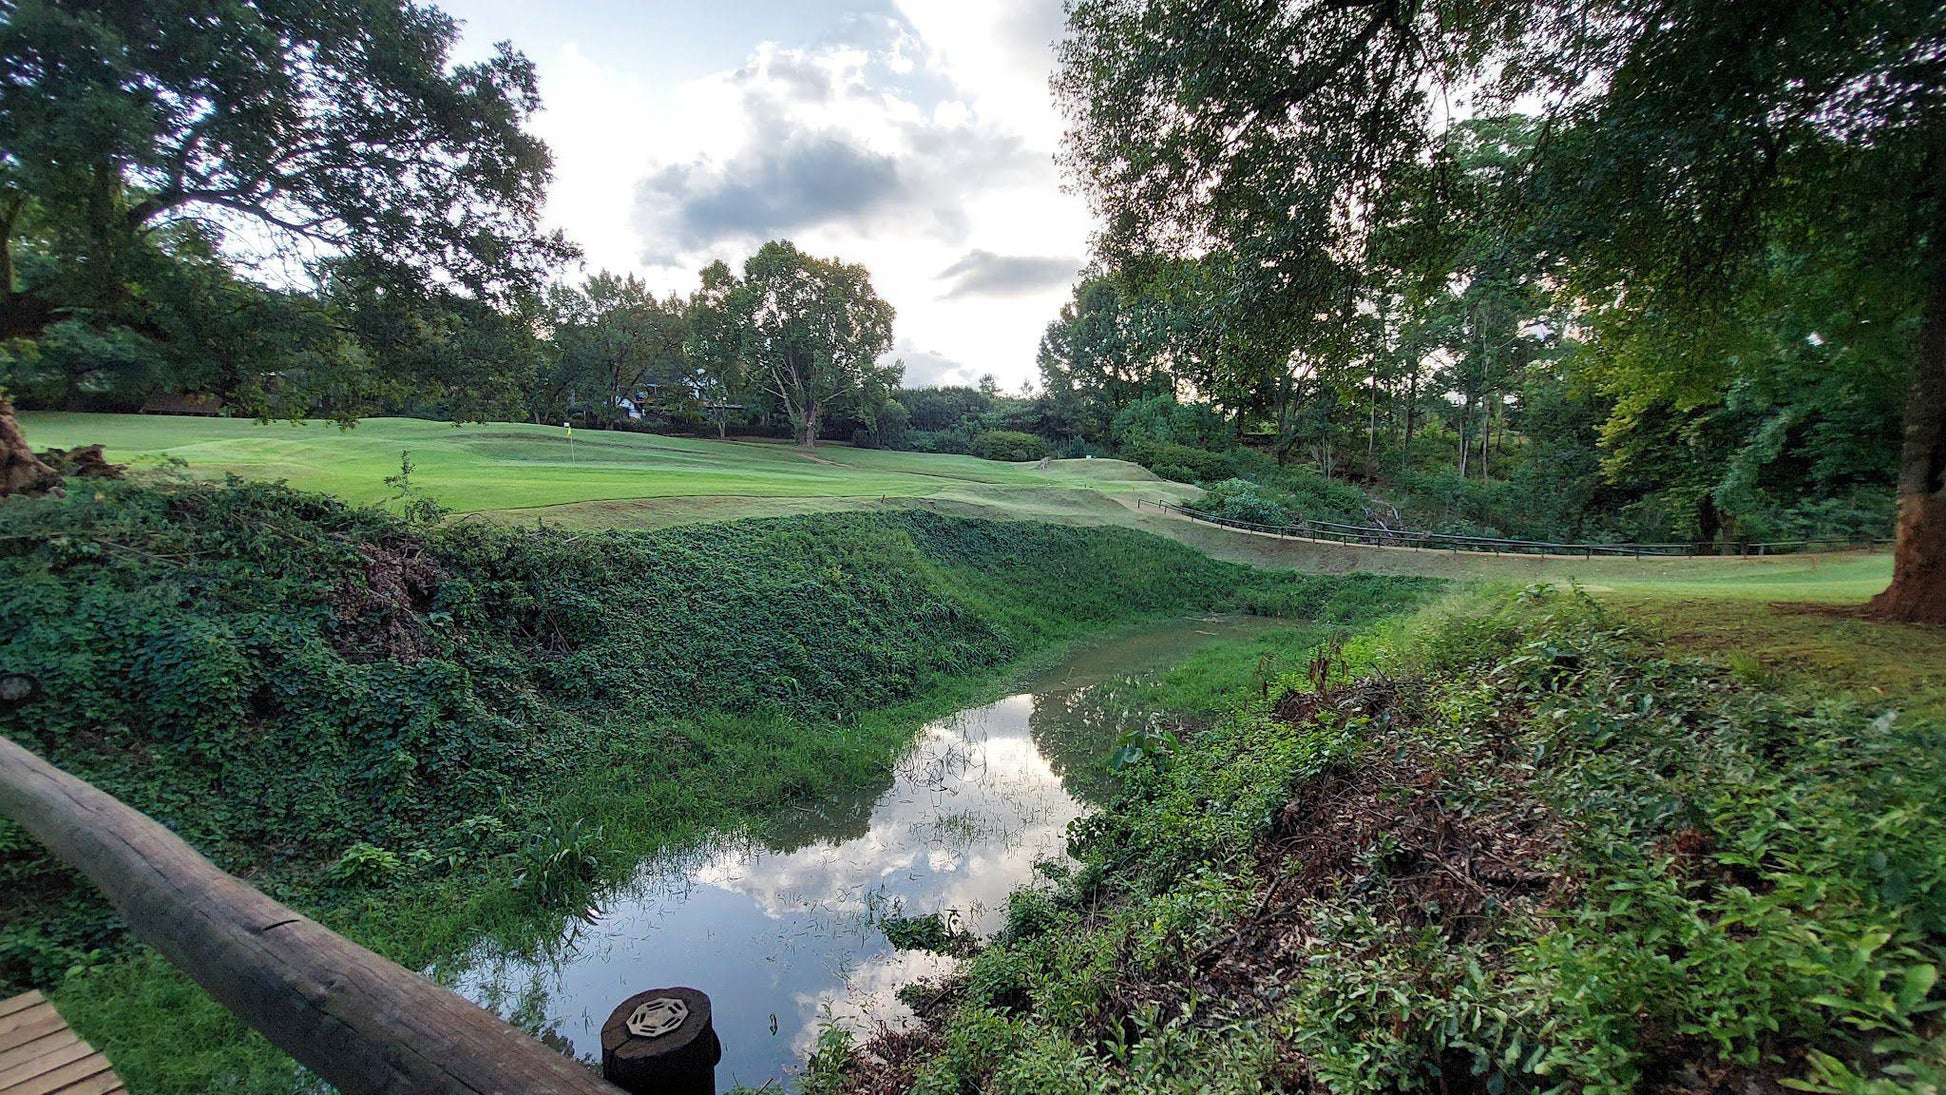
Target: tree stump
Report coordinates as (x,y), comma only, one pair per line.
(21,472)
(661,1041)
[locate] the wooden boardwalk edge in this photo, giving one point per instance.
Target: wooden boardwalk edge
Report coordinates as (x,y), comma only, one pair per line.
(40,1055)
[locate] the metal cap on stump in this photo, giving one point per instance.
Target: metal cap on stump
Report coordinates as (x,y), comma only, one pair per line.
(661,1041)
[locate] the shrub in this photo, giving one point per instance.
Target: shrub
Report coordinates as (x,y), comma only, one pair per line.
(1241,500)
(364,865)
(1008,445)
(1178,462)
(1161,420)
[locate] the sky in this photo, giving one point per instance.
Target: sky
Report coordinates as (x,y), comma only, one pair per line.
(914,136)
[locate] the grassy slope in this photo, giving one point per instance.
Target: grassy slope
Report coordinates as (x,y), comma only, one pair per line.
(1550,852)
(390,726)
(517,467)
(621,480)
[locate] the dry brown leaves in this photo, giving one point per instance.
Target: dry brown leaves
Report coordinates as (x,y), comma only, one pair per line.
(379,616)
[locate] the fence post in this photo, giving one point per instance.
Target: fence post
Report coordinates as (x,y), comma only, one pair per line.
(661,1042)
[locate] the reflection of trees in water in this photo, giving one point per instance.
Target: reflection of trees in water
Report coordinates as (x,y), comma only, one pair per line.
(520,994)
(1076,728)
(940,762)
(843,813)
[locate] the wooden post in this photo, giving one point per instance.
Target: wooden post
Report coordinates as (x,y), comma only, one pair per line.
(354,1018)
(661,1042)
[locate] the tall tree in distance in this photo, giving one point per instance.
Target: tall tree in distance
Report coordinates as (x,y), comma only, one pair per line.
(612,339)
(1680,142)
(714,344)
(138,138)
(810,330)
(335,123)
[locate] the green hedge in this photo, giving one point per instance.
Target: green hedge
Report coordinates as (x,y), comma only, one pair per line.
(1008,445)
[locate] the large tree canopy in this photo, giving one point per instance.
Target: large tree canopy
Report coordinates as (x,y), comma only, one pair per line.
(337,125)
(1686,150)
(811,329)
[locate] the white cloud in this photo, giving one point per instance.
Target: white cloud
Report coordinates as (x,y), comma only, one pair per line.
(909,143)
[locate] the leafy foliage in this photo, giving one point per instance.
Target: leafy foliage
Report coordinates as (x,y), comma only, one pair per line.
(341,698)
(1511,847)
(1008,445)
(809,330)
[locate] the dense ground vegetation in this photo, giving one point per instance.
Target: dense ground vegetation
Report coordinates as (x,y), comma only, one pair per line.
(420,732)
(1515,846)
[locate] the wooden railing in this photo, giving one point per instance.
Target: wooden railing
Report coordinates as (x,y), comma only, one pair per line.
(361,1022)
(1376,536)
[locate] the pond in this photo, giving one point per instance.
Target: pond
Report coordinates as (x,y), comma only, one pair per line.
(784,934)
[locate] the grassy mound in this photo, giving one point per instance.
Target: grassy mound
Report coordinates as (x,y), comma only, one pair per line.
(420,733)
(1512,850)
(506,466)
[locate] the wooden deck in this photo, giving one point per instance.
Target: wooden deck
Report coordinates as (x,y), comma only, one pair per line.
(39,1055)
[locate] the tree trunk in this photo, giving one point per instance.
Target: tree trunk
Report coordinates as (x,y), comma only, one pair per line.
(1286,437)
(21,472)
(7,257)
(811,411)
(1486,437)
(1411,409)
(1918,590)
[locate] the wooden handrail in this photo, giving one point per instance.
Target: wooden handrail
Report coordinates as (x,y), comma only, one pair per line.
(358,1020)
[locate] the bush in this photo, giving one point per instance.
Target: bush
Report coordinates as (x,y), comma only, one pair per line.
(1008,445)
(1178,462)
(1161,420)
(953,441)
(1242,500)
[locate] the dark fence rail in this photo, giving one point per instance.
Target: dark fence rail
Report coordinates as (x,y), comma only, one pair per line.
(1376,536)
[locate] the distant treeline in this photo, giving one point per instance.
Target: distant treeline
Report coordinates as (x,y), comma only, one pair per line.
(1499,334)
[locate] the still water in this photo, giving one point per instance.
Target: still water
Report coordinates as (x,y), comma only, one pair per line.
(784,934)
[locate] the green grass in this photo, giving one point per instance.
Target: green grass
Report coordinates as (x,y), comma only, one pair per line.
(520,467)
(633,481)
(1839,578)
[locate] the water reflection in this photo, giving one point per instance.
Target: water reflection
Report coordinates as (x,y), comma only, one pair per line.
(783,935)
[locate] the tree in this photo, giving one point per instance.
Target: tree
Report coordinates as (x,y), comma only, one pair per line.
(1680,142)
(714,345)
(338,124)
(810,330)
(1094,359)
(611,339)
(141,141)
(433,350)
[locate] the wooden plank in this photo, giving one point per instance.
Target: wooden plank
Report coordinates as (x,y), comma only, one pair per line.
(362,1023)
(54,1058)
(38,1047)
(27,1017)
(59,1079)
(19,1003)
(41,1028)
(102,1083)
